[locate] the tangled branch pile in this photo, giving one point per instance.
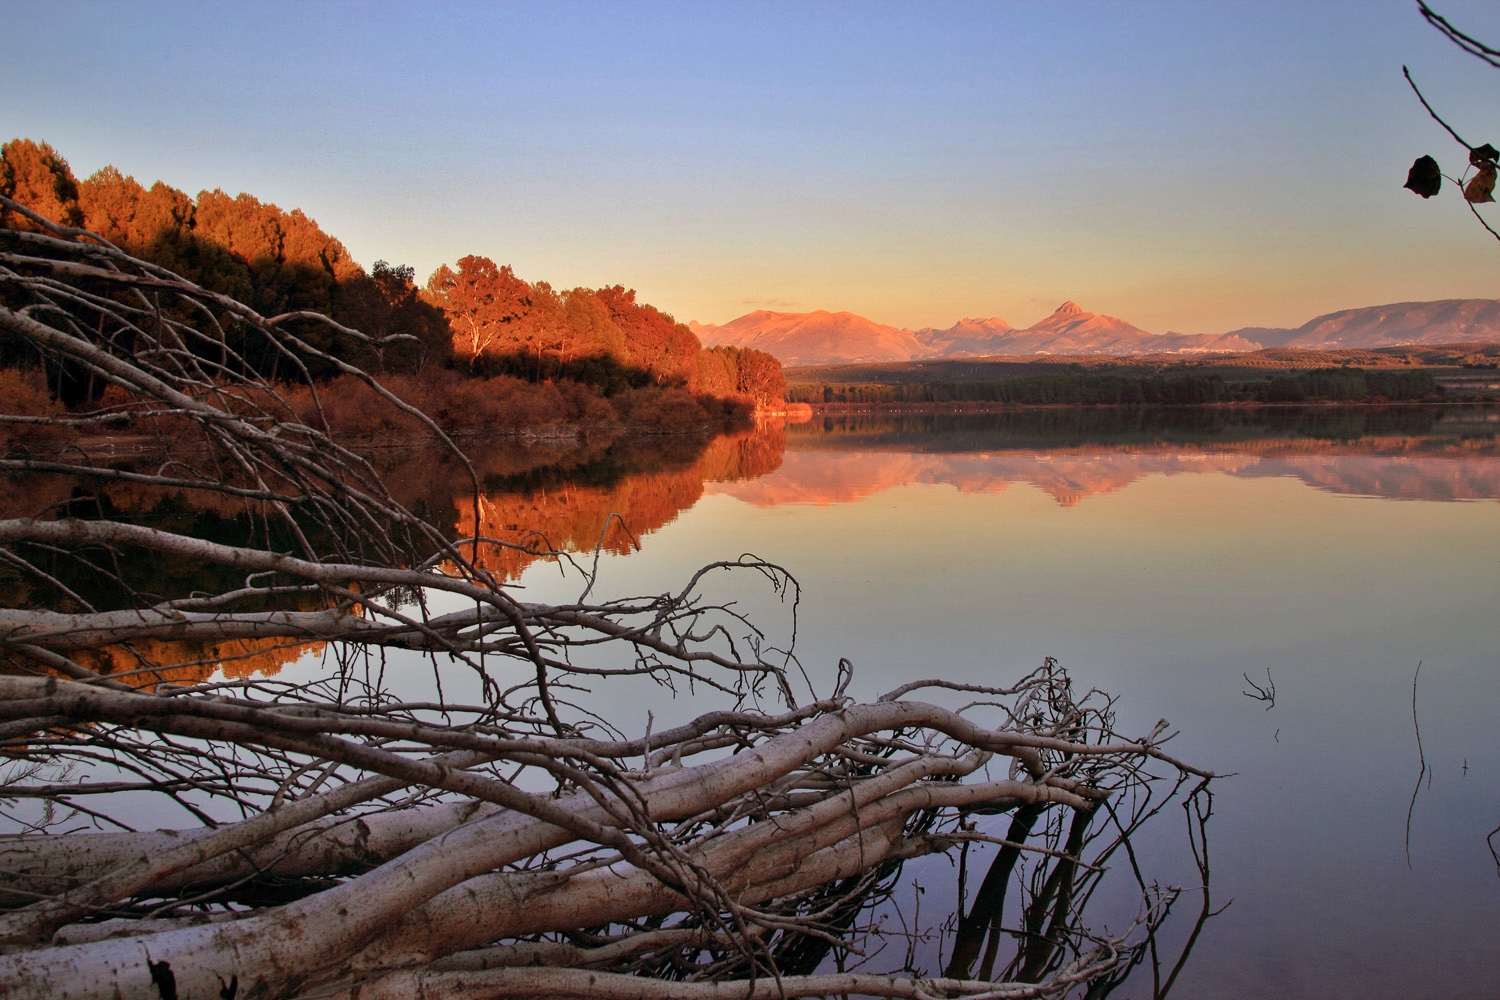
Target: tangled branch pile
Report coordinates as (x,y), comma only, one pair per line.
(344,843)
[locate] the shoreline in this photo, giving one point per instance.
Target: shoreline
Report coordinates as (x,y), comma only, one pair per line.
(983,406)
(125,446)
(129,446)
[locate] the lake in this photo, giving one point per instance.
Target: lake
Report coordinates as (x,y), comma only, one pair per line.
(1163,557)
(1186,562)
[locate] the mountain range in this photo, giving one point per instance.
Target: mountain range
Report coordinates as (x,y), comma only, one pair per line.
(822,337)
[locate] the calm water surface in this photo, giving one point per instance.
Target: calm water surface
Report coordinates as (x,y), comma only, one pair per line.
(1161,558)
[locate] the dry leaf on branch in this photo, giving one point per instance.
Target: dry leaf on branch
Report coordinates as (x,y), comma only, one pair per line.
(1481,188)
(1424,177)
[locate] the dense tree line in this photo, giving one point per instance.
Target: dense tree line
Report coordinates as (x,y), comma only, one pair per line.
(1350,384)
(1089,389)
(475,316)
(504,325)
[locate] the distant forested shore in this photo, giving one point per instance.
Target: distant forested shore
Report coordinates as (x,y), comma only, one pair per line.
(1443,373)
(1342,385)
(476,346)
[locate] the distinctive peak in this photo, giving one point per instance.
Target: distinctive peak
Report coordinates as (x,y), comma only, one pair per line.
(1068,308)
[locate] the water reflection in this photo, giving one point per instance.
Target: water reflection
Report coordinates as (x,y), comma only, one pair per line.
(597,504)
(1410,454)
(1074,855)
(1165,556)
(606,494)
(578,494)
(569,494)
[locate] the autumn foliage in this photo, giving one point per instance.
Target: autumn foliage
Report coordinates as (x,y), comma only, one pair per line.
(478,346)
(601,337)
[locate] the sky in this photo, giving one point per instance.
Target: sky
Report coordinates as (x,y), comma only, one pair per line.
(1189,167)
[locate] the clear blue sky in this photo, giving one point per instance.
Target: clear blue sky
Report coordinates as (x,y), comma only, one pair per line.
(1187,166)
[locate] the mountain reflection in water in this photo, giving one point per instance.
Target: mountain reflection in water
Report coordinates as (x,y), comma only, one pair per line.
(1416,454)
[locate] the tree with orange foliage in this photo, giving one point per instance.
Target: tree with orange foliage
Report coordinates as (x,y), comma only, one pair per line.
(281,262)
(591,331)
(655,341)
(482,303)
(743,371)
(544,328)
(273,260)
(760,377)
(715,373)
(292,263)
(118,208)
(36,175)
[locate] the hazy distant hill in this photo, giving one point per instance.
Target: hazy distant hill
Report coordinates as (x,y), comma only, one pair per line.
(824,338)
(1449,321)
(819,337)
(968,338)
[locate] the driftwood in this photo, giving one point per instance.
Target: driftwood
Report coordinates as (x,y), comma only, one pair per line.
(347,844)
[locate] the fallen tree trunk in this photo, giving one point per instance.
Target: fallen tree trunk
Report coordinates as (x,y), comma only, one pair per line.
(736,832)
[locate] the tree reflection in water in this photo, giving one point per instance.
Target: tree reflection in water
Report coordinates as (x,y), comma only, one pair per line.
(540,501)
(1052,896)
